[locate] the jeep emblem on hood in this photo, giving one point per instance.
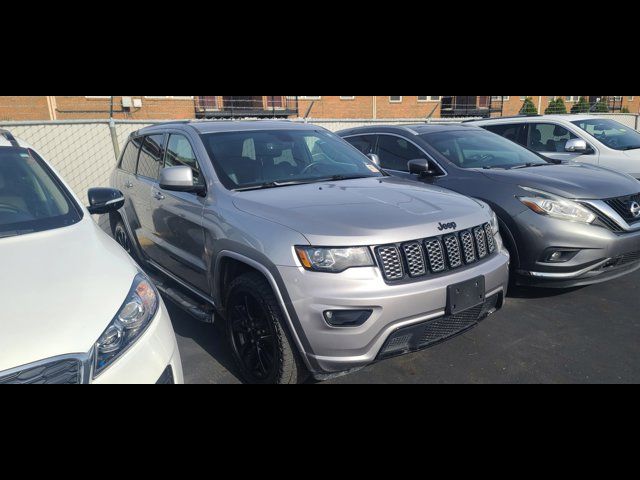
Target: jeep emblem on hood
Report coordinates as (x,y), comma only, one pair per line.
(635,209)
(454,225)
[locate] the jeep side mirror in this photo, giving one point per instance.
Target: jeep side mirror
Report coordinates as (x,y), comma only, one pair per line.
(576,145)
(420,167)
(179,179)
(104,200)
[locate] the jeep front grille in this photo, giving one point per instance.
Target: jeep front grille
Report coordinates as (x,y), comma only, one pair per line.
(414,254)
(391,262)
(452,246)
(435,255)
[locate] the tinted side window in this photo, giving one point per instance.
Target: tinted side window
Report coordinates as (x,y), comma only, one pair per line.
(130,156)
(395,152)
(510,131)
(365,143)
(179,153)
(546,137)
(150,157)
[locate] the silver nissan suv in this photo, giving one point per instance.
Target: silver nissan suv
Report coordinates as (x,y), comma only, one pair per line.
(315,259)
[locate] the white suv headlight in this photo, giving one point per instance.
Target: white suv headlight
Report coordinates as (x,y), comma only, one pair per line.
(544,203)
(133,318)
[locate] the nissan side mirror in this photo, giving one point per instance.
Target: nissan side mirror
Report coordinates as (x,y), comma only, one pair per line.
(420,167)
(104,200)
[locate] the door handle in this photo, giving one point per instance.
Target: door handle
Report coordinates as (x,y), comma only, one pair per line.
(159,196)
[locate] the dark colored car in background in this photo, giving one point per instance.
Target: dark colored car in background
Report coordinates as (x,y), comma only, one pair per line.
(565,224)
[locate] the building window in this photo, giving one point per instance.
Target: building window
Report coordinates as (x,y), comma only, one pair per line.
(309,98)
(499,99)
(429,99)
(347,98)
(395,99)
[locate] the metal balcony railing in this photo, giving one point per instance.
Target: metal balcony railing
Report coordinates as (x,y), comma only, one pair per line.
(246,107)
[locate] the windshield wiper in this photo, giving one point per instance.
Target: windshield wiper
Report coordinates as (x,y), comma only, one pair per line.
(336,178)
(265,185)
(529,165)
(631,147)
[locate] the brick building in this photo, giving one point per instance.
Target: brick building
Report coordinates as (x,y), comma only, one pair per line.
(338,107)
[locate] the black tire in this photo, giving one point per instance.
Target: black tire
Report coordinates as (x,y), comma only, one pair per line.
(121,236)
(257,334)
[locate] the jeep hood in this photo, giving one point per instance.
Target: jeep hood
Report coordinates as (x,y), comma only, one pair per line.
(570,180)
(59,290)
(368,211)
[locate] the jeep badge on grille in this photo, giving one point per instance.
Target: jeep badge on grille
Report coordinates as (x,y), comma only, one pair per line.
(449,226)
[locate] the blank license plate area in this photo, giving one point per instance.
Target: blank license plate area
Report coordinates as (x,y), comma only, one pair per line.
(466,295)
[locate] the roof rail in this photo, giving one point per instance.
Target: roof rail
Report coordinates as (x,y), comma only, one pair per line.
(7,134)
(501,118)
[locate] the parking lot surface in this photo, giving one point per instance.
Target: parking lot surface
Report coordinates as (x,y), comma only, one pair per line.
(585,335)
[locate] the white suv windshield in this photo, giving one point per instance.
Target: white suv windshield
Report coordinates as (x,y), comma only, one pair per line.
(611,133)
(31,198)
(273,158)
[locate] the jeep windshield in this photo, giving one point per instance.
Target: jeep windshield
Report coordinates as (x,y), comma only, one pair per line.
(280,158)
(611,133)
(481,149)
(31,197)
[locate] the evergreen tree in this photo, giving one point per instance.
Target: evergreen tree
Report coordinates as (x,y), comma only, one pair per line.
(582,106)
(528,107)
(556,106)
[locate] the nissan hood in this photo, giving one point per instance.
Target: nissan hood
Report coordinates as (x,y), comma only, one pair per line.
(570,180)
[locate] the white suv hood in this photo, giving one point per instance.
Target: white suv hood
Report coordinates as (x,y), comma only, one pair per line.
(59,290)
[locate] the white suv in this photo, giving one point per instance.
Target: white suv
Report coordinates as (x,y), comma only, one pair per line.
(582,138)
(75,307)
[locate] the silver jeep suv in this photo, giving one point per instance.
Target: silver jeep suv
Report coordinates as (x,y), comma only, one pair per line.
(317,261)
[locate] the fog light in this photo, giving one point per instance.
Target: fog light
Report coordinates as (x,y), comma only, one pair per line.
(347,318)
(557,255)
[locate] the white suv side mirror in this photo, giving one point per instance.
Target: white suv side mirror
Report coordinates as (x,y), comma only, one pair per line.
(576,145)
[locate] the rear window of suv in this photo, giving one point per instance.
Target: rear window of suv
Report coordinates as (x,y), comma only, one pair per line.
(32,198)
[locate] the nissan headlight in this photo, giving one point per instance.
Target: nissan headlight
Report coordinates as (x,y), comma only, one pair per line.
(133,318)
(544,203)
(334,260)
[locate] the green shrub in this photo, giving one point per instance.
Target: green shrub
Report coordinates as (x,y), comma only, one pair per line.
(602,106)
(625,110)
(528,107)
(582,106)
(556,106)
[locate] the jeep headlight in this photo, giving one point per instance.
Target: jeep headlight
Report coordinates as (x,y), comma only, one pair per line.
(334,260)
(133,318)
(544,203)
(495,226)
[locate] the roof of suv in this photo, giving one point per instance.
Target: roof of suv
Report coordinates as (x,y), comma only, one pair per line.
(569,117)
(414,129)
(217,126)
